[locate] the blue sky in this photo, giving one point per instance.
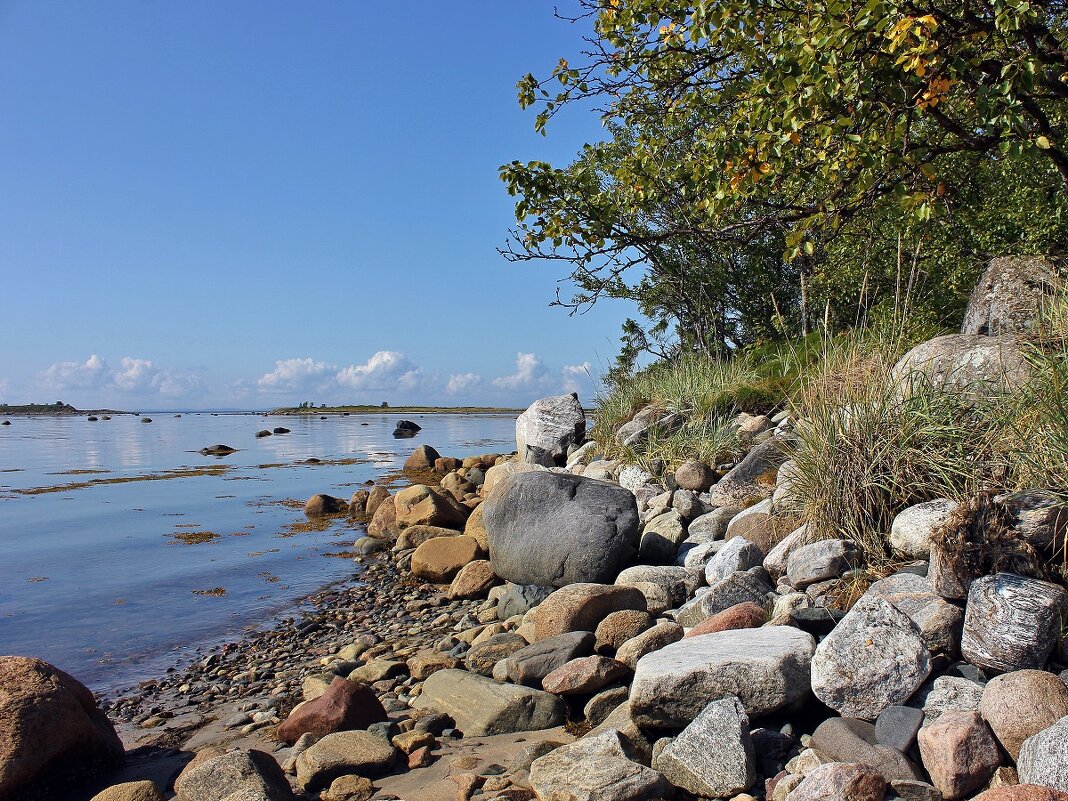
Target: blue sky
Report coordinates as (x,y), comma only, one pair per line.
(248,203)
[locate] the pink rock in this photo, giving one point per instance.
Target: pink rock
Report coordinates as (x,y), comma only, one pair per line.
(841,781)
(959,752)
(587,674)
(747,615)
(344,706)
(1023,792)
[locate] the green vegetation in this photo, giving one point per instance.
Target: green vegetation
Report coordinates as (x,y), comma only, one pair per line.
(59,408)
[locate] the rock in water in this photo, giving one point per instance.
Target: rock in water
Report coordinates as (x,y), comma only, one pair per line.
(713,757)
(1012,622)
(481,706)
(550,425)
(406,428)
(873,659)
(767,668)
(50,728)
(1009,296)
(1044,757)
(555,529)
(962,362)
(217,450)
(422,459)
(320,505)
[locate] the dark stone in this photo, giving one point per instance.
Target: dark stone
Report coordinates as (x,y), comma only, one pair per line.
(281,430)
(217,450)
(897,726)
(530,665)
(262,434)
(817,621)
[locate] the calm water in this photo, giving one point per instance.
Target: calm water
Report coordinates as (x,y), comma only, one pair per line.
(94,580)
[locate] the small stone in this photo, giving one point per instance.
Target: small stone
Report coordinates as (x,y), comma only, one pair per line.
(650,640)
(740,616)
(897,727)
(349,788)
(342,753)
(910,533)
(820,561)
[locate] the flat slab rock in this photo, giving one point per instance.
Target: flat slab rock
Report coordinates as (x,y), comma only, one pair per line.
(481,706)
(766,669)
(713,757)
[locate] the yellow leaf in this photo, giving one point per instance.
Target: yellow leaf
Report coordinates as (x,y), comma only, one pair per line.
(1043,142)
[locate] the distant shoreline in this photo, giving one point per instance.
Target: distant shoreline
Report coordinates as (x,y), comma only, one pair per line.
(51,410)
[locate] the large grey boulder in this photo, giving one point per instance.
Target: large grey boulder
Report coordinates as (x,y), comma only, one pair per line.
(737,554)
(214,779)
(766,668)
(965,363)
(938,621)
(1009,296)
(597,768)
(713,757)
(1043,757)
(873,659)
(819,561)
(557,529)
(753,478)
(549,426)
(481,706)
(1012,622)
(910,533)
(342,753)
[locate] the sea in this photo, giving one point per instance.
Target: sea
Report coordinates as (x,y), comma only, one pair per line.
(124,551)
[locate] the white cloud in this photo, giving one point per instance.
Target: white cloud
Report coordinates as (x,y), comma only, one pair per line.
(136,375)
(577,376)
(295,374)
(386,370)
(93,373)
(176,385)
(529,373)
(462,382)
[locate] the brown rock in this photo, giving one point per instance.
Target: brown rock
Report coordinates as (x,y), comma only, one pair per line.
(345,705)
(421,505)
(1023,792)
(358,502)
(420,758)
(384,520)
(426,663)
(50,727)
(320,505)
(422,459)
(476,528)
(694,475)
(959,753)
(584,675)
(131,791)
(746,615)
(474,580)
(446,464)
(762,528)
(375,498)
(650,640)
(1021,704)
(413,740)
(414,536)
(841,781)
(349,788)
(439,560)
(580,607)
(457,486)
(619,627)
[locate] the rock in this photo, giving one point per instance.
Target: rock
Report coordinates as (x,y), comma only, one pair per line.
(740,616)
(599,707)
(1012,622)
(767,668)
(342,753)
(1038,517)
(384,520)
(439,560)
(375,498)
(963,362)
(421,505)
(476,527)
(1022,792)
(1021,704)
(481,706)
(217,450)
(694,475)
(948,694)
(618,627)
(409,429)
(533,663)
(482,657)
(820,561)
(321,505)
(1043,757)
(940,623)
(897,727)
(761,526)
(688,504)
(1010,296)
(661,538)
(584,675)
(344,705)
(426,663)
(959,753)
(280,430)
(910,790)
(262,433)
(518,599)
(753,479)
(910,533)
(378,670)
(131,791)
(778,558)
(678,583)
(875,658)
(634,433)
(750,586)
(580,607)
(857,741)
(358,502)
(597,771)
(349,788)
(217,777)
(840,781)
(414,536)
(552,425)
(713,525)
(713,756)
(474,580)
(739,554)
(51,730)
(558,529)
(648,641)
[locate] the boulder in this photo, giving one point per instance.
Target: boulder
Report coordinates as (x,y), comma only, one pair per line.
(966,363)
(711,526)
(482,657)
(321,505)
(1021,704)
(959,753)
(753,478)
(661,538)
(342,753)
(1010,295)
(131,791)
(439,560)
(216,450)
(426,663)
(217,777)
(595,769)
(551,425)
(384,520)
(584,675)
(778,558)
(422,459)
(760,526)
(476,527)
(897,727)
(1039,517)
(518,599)
(358,502)
(580,607)
(473,581)
(51,729)
(767,668)
(648,641)
(740,616)
(344,705)
(531,664)
(420,505)
(414,536)
(481,706)
(1022,792)
(694,475)
(634,433)
(857,741)
(713,756)
(873,659)
(678,583)
(739,554)
(375,498)
(618,627)
(947,694)
(750,586)
(820,561)
(498,473)
(559,529)
(910,533)
(1043,757)
(940,623)
(840,781)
